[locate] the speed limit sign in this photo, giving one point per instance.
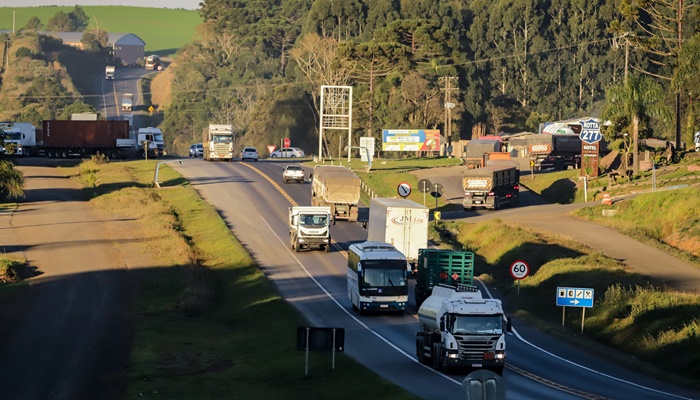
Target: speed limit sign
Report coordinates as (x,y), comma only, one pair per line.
(519,269)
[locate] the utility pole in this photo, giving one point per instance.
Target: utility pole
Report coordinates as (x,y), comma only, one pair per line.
(449,105)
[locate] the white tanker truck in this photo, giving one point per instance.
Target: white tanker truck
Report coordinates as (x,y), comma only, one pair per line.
(459,328)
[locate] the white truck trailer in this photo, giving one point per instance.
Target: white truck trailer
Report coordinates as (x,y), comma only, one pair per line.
(337,187)
(400,222)
(309,227)
(459,328)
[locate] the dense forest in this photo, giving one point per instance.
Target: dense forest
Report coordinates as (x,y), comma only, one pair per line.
(508,65)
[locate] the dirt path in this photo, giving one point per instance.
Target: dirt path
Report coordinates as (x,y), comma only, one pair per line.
(67,336)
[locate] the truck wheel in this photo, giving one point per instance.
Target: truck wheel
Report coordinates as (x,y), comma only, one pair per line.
(437,356)
(297,246)
(498,370)
(496,204)
(420,351)
(327,248)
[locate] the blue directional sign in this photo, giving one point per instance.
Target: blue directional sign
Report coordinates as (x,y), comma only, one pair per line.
(574,297)
(590,131)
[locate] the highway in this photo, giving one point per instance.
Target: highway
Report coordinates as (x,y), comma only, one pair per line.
(253,201)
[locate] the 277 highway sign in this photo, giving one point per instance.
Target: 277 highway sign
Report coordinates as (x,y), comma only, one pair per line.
(574,297)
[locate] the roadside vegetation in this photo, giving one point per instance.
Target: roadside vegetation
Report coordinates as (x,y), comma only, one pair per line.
(197,315)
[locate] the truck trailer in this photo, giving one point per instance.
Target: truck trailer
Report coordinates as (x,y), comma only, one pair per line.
(65,138)
(217,141)
(338,188)
(491,187)
(400,222)
(441,266)
(461,329)
(309,227)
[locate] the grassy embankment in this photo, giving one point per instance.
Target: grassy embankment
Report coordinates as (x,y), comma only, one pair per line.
(163,30)
(208,323)
(633,318)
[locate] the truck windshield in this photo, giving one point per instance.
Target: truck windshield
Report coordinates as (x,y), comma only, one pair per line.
(383,274)
(476,324)
(222,138)
(313,220)
(12,136)
(158,137)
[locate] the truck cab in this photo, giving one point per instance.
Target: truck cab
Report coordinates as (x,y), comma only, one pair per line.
(309,227)
(127,102)
(155,139)
(109,72)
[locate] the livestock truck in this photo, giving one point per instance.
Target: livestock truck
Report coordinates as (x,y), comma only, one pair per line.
(558,151)
(400,222)
(338,188)
(309,227)
(440,266)
(65,138)
(217,141)
(461,329)
(491,187)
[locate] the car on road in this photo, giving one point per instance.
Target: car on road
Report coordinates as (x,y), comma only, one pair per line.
(293,173)
(196,150)
(249,153)
(289,152)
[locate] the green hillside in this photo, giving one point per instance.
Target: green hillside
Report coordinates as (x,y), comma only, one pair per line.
(163,30)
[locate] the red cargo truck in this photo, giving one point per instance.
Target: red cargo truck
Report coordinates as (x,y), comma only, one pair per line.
(63,139)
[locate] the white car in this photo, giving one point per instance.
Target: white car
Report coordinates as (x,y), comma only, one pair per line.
(289,152)
(293,173)
(249,153)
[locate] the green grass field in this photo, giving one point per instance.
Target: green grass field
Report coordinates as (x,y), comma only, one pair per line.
(163,30)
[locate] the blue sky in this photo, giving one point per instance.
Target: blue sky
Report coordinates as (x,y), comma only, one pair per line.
(186,4)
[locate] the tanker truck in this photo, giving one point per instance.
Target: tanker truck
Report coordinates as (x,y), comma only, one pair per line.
(461,329)
(338,188)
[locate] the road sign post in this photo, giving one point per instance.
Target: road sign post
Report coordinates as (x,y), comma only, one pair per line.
(424,187)
(519,269)
(574,297)
(436,190)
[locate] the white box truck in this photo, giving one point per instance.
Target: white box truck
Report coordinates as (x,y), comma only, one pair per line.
(400,222)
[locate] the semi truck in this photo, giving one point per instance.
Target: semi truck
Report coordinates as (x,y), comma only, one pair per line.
(338,188)
(19,138)
(491,187)
(461,329)
(154,136)
(217,140)
(109,72)
(309,227)
(65,138)
(441,266)
(559,151)
(400,222)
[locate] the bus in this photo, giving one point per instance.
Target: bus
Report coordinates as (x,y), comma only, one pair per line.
(377,277)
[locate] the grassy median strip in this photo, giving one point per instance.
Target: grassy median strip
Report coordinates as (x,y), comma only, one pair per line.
(208,323)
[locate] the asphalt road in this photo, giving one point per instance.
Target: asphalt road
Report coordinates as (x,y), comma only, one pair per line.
(255,207)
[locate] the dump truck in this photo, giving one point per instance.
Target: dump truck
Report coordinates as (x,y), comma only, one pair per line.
(402,223)
(338,188)
(109,72)
(309,227)
(441,266)
(477,149)
(558,151)
(217,140)
(127,102)
(461,329)
(491,187)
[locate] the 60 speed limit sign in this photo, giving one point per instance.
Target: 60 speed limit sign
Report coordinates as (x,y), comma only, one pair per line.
(519,269)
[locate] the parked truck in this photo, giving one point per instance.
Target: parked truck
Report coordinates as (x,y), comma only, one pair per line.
(309,227)
(217,140)
(440,266)
(65,138)
(127,102)
(338,188)
(559,151)
(460,328)
(491,187)
(109,72)
(400,222)
(19,138)
(154,136)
